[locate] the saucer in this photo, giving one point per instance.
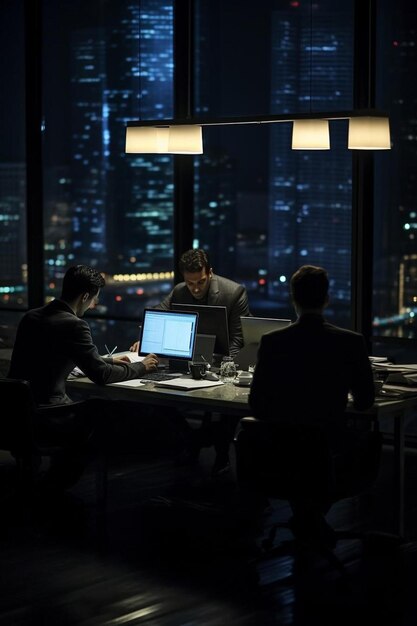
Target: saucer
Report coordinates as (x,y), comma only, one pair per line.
(242,383)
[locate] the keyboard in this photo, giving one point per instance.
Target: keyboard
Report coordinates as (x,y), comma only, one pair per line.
(158,376)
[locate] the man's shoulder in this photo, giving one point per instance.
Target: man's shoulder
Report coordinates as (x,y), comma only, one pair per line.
(342,332)
(179,291)
(226,284)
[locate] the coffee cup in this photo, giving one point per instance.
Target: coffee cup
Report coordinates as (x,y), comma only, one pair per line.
(197,370)
(244,378)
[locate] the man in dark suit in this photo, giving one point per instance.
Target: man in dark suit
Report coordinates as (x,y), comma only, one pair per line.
(306,370)
(202,286)
(53,339)
(50,342)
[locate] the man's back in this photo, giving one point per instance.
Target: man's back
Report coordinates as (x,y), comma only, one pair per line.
(50,341)
(306,370)
(42,350)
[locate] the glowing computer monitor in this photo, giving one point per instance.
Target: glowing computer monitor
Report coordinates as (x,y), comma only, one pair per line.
(168,334)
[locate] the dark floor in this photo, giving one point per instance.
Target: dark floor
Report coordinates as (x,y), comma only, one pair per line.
(178,548)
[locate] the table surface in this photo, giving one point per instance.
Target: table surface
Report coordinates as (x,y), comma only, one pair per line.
(223,398)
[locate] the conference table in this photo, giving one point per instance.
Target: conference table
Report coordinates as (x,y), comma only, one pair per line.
(233,400)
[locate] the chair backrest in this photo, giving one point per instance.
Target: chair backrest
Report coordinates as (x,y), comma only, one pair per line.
(287,461)
(16,422)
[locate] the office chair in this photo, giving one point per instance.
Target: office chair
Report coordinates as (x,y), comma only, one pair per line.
(295,463)
(17,436)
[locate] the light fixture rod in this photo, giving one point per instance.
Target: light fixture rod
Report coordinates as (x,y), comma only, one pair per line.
(261,119)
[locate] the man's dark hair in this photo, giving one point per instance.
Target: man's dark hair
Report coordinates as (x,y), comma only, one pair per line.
(309,287)
(81,279)
(194,261)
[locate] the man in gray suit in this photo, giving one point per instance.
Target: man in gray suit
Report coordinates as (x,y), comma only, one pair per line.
(202,286)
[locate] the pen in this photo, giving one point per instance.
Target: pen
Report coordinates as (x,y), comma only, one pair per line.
(208,366)
(108,351)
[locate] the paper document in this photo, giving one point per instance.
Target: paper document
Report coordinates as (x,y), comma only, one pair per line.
(187,384)
(129,383)
(398,390)
(133,357)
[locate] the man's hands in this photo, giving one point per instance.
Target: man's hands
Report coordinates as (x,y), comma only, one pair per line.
(134,347)
(121,359)
(150,362)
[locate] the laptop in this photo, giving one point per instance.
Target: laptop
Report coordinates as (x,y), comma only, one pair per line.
(212,320)
(253,328)
(171,336)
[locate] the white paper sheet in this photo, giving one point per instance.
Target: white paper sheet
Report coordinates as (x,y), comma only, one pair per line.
(187,384)
(129,383)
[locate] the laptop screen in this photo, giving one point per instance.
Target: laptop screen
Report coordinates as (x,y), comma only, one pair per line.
(212,320)
(168,334)
(254,327)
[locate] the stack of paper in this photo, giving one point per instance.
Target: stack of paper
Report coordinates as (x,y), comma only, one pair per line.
(401,374)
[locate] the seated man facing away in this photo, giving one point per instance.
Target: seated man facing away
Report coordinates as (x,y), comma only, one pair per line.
(306,370)
(50,342)
(202,286)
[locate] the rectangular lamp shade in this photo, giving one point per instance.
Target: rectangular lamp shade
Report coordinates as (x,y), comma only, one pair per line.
(147,139)
(310,135)
(185,139)
(181,139)
(369,133)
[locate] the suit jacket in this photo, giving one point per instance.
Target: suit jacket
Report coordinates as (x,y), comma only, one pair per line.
(306,370)
(222,292)
(50,342)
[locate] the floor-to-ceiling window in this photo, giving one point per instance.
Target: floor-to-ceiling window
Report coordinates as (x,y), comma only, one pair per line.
(262,210)
(105,63)
(13,242)
(13,250)
(395,229)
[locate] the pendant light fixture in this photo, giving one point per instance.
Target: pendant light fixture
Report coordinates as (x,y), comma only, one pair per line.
(368,130)
(369,133)
(163,137)
(311,134)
